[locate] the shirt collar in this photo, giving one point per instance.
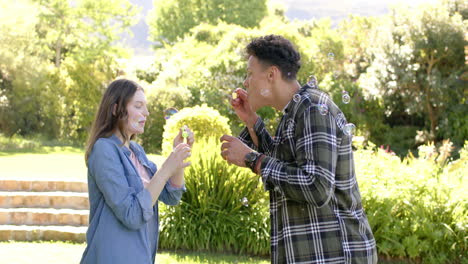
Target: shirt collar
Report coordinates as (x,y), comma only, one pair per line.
(118,142)
(286,108)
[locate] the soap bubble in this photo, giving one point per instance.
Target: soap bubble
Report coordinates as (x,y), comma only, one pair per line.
(323,109)
(245,202)
(349,129)
(169,112)
(336,74)
(265,92)
(312,81)
(297,98)
(345,97)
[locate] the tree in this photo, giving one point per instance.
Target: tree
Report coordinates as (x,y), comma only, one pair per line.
(56,58)
(23,108)
(358,36)
(170,20)
(418,59)
(82,29)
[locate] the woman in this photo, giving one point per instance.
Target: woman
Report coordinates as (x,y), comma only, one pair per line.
(124,186)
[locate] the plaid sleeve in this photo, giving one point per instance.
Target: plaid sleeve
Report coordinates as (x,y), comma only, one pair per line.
(311,178)
(264,139)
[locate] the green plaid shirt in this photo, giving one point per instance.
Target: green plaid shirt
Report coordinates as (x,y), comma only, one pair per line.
(315,205)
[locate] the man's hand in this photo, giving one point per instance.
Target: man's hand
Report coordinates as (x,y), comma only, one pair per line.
(233,150)
(242,108)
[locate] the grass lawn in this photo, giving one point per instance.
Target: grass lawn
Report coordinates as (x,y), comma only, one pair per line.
(59,253)
(49,163)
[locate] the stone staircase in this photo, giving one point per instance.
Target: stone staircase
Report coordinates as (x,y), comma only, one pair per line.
(43,210)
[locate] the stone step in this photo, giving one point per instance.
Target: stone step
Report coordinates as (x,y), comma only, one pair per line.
(39,216)
(57,200)
(7,184)
(45,233)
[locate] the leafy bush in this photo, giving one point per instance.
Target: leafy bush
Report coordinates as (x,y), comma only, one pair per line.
(417,207)
(224,209)
(204,121)
(159,99)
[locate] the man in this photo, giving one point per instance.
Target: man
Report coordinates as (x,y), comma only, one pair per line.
(308,167)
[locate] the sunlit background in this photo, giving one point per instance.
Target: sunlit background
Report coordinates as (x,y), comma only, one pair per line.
(400,76)
(336,10)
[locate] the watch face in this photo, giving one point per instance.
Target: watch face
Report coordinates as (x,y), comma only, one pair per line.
(250,156)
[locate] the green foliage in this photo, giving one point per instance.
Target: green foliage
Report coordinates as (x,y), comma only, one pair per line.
(204,121)
(84,84)
(84,29)
(170,20)
(453,122)
(417,208)
(358,36)
(224,209)
(418,56)
(57,56)
(159,99)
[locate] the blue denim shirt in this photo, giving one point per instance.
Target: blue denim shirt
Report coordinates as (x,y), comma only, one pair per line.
(123,225)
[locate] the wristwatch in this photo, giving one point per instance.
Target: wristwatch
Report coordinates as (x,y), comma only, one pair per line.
(251,159)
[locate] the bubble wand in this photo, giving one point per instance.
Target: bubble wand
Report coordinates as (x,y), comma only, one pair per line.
(185,133)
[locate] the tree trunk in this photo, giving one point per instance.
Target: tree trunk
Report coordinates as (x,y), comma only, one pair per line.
(58,51)
(431,110)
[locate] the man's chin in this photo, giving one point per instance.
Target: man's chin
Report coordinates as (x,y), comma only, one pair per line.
(255,107)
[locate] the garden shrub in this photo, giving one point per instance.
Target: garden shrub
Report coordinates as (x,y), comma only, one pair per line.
(416,207)
(204,121)
(225,208)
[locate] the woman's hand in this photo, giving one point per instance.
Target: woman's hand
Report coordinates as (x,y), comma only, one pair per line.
(175,161)
(180,139)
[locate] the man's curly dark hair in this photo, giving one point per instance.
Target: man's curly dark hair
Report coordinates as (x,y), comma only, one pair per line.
(278,51)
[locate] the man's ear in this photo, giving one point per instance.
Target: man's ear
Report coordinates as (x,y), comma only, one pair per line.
(114,110)
(273,73)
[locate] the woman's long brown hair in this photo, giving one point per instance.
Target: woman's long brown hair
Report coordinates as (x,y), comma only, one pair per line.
(112,112)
